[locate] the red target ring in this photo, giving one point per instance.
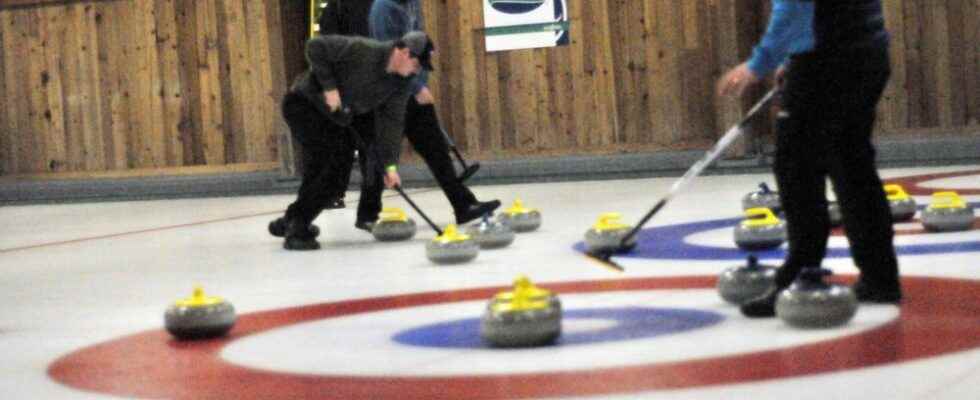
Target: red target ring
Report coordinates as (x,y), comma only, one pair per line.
(936,318)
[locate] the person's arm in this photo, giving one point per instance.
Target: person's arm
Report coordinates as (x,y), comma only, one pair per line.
(322,53)
(790,31)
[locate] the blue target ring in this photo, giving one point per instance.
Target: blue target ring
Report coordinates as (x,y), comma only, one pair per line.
(667,243)
(630,323)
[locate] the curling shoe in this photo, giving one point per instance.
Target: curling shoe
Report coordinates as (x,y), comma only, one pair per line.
(763,306)
(882,294)
(277,228)
(476,210)
(300,236)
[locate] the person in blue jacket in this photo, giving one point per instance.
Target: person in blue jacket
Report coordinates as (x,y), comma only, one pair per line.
(832,59)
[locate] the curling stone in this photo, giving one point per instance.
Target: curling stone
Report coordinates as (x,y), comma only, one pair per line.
(393,226)
(760,230)
(608,233)
(519,218)
(902,206)
(947,213)
(812,303)
(452,247)
(836,218)
(527,316)
(491,234)
(740,284)
(199,317)
(762,198)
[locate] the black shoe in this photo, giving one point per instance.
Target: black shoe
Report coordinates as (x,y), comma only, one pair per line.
(884,294)
(300,236)
(367,226)
(476,210)
(277,228)
(763,306)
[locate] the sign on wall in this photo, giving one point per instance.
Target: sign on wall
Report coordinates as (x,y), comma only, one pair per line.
(525,24)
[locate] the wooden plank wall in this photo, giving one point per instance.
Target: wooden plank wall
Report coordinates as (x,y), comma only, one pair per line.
(140,84)
(111,85)
(638,75)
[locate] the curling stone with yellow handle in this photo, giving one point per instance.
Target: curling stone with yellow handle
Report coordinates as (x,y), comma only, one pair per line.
(520,218)
(608,233)
(523,317)
(452,247)
(394,225)
(199,317)
(902,206)
(947,213)
(760,230)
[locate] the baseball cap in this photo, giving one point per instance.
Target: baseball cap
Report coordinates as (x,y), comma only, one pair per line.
(421,47)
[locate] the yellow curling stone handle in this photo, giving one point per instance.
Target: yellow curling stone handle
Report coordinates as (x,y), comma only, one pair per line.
(451,235)
(198,299)
(943,200)
(393,214)
(518,208)
(895,192)
(759,216)
(524,297)
(609,222)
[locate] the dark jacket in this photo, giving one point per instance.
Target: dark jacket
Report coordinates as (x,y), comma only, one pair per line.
(847,25)
(345,17)
(356,67)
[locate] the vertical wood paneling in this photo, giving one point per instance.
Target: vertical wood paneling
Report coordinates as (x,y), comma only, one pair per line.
(124,84)
(52,76)
(95,159)
(209,78)
(967,45)
(6,130)
(170,83)
(42,140)
(893,112)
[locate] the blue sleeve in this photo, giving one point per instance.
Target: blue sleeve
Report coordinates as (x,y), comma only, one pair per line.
(389,21)
(790,31)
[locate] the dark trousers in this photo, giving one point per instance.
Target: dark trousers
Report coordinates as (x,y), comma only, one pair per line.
(327,156)
(825,130)
(423,132)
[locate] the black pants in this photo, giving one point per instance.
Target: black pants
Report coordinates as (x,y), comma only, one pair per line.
(327,154)
(825,130)
(422,131)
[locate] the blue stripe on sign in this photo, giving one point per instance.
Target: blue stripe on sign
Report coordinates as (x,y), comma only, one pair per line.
(631,323)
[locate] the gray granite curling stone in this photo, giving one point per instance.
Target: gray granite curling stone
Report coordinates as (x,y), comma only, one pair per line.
(394,225)
(491,234)
(812,303)
(761,230)
(740,284)
(947,213)
(525,317)
(199,317)
(452,247)
(762,198)
(519,218)
(608,233)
